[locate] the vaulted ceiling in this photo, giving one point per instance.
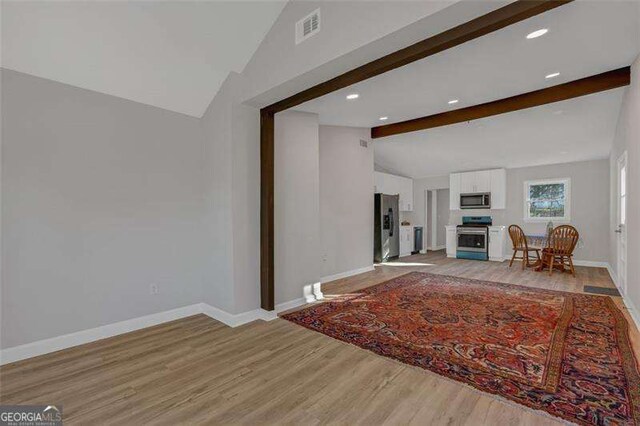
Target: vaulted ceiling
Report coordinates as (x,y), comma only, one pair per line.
(584,38)
(173,55)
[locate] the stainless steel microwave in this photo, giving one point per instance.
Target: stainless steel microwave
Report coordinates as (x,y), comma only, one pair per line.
(480,200)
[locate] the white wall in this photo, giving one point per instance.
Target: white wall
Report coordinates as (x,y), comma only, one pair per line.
(217,195)
(143,166)
(280,68)
(246,207)
(628,139)
(346,199)
(297,204)
(101,198)
(352,33)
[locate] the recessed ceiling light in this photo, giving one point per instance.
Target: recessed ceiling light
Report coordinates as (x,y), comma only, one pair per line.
(552,75)
(558,112)
(353,96)
(537,33)
(453,101)
(564,152)
(384,118)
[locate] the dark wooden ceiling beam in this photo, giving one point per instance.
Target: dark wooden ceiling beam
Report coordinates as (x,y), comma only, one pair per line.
(573,89)
(483,25)
(510,14)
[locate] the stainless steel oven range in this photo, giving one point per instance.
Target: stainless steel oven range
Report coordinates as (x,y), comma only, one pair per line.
(473,238)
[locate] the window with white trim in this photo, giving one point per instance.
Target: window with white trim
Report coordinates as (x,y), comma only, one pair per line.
(546,200)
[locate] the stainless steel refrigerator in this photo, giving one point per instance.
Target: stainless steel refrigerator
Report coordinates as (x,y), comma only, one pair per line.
(386,233)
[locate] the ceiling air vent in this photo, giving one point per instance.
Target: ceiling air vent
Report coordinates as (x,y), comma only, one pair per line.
(308,26)
(363,143)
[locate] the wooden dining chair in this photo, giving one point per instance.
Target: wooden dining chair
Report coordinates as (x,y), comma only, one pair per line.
(519,241)
(559,251)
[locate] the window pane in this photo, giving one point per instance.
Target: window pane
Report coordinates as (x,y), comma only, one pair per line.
(550,191)
(623,181)
(623,210)
(549,208)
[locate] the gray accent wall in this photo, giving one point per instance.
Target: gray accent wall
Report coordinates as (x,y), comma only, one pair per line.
(102,197)
(589,211)
(346,199)
(589,214)
(231,192)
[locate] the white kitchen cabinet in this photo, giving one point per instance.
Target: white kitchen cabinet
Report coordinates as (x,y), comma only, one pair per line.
(492,181)
(406,195)
(386,183)
(497,243)
(467,182)
(451,240)
(454,191)
(498,189)
(482,181)
(473,182)
(406,240)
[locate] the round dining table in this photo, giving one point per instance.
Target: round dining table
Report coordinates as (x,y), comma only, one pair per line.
(540,242)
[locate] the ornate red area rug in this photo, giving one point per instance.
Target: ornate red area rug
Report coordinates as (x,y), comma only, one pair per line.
(564,353)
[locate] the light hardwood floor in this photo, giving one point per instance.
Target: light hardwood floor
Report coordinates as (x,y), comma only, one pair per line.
(197,370)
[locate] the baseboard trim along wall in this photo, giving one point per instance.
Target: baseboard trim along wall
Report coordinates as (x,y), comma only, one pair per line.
(41,347)
(591,263)
(65,341)
(587,263)
(346,274)
(634,312)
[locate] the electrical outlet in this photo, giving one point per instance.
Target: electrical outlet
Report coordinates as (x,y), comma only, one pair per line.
(154,289)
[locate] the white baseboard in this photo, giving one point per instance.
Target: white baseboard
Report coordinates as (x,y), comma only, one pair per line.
(591,263)
(587,263)
(436,248)
(232,320)
(41,347)
(53,344)
(346,274)
(281,307)
(65,341)
(634,312)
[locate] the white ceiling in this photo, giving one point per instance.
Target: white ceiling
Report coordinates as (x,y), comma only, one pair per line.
(585,38)
(574,130)
(173,55)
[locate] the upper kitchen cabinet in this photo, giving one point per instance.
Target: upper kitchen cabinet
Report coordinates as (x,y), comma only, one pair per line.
(454,191)
(498,184)
(391,185)
(474,182)
(491,181)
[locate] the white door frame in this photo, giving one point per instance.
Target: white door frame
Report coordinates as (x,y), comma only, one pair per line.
(427,217)
(434,219)
(621,219)
(430,216)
